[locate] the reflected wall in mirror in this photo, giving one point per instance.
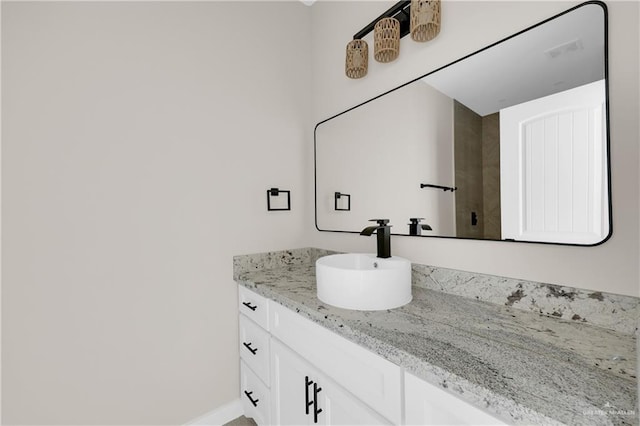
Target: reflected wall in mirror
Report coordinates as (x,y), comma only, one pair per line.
(509,143)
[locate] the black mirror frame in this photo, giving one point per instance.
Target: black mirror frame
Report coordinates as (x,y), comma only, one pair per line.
(607,148)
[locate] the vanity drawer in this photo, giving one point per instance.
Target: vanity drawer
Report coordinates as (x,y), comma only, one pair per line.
(366,375)
(254,396)
(254,347)
(253,306)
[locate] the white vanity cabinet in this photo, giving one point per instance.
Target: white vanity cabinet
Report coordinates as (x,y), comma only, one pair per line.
(296,372)
(426,404)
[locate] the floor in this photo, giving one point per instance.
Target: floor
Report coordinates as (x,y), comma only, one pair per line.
(241,421)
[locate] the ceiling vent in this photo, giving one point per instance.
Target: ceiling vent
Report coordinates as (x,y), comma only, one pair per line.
(564,48)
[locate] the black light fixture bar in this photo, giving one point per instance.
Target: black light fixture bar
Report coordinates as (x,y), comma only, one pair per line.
(401,11)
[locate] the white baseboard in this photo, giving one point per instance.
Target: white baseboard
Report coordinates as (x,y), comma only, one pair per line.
(220,415)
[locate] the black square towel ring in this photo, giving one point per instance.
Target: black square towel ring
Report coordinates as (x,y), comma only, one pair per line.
(337,196)
(275,192)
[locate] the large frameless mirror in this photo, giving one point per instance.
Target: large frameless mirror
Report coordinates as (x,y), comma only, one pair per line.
(509,143)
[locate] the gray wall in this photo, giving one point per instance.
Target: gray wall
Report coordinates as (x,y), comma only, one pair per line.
(138,142)
(477,168)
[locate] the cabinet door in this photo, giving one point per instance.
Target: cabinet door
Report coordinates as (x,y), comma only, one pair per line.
(365,375)
(301,395)
(426,404)
(290,388)
(341,408)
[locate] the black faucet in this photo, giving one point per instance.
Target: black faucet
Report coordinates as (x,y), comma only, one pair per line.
(384,236)
(415,227)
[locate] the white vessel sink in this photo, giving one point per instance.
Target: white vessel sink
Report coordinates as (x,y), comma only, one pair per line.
(363,281)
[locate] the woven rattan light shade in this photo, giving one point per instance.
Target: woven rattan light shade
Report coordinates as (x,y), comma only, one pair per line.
(425,19)
(357,60)
(386,38)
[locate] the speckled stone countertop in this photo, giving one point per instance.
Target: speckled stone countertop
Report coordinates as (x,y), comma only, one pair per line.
(524,367)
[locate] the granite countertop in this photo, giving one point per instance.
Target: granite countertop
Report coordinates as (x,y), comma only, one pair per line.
(524,367)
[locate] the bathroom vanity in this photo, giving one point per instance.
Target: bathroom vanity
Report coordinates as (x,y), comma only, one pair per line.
(441,359)
(509,143)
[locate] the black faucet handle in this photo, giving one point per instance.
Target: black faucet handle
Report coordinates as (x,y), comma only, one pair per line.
(381,222)
(415,220)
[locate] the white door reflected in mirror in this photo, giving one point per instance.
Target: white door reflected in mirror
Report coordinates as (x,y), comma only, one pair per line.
(554,181)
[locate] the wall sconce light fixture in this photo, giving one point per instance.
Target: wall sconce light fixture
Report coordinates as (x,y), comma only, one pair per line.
(389,28)
(357,62)
(354,60)
(386,36)
(425,19)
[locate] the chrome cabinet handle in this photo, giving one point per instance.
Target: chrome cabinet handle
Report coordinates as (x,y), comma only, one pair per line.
(248,305)
(253,401)
(248,346)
